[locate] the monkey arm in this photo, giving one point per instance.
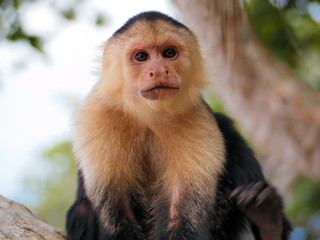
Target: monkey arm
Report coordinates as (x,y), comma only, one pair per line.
(81,220)
(259,201)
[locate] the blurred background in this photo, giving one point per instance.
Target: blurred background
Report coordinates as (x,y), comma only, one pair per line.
(48,57)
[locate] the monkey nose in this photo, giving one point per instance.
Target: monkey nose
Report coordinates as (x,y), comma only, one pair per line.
(158,73)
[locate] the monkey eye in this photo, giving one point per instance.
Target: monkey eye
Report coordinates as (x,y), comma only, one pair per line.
(169,53)
(141,56)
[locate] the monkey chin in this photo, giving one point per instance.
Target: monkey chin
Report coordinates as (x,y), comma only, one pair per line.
(160,92)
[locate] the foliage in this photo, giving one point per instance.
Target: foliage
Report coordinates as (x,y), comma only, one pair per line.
(214,102)
(57,191)
(305,199)
(291,33)
(12,26)
(304,208)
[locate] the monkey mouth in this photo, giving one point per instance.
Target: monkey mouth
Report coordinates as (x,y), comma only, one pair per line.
(160,92)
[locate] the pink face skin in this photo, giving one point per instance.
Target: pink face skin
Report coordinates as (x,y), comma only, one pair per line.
(158,77)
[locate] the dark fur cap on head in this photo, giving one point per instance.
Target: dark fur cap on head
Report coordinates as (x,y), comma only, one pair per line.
(149,16)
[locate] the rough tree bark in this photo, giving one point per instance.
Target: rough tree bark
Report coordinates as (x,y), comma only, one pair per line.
(18,222)
(275,109)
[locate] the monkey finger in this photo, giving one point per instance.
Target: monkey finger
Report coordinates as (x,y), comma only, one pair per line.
(240,194)
(246,195)
(250,193)
(236,192)
(264,195)
(255,190)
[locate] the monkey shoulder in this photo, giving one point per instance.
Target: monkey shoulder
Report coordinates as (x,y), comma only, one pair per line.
(243,179)
(241,167)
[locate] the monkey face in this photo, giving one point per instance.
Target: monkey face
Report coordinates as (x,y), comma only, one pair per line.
(152,66)
(159,68)
(156,72)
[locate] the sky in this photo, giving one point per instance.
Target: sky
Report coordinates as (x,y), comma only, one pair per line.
(38,92)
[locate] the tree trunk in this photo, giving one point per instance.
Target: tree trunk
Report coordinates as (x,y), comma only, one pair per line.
(275,109)
(18,222)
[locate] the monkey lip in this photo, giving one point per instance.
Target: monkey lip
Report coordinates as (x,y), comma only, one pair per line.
(160,92)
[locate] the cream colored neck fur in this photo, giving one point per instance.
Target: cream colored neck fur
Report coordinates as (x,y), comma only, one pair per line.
(117,153)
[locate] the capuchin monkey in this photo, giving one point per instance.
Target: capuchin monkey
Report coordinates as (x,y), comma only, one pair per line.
(154,161)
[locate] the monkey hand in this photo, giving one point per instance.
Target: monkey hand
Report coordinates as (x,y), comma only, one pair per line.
(263,206)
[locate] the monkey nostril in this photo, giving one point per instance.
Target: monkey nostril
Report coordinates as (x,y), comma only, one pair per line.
(167,72)
(151,74)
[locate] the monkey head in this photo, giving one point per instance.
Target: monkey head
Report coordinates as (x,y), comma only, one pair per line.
(153,65)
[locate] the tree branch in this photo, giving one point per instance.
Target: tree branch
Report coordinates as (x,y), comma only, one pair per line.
(278,111)
(18,222)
